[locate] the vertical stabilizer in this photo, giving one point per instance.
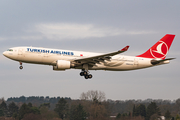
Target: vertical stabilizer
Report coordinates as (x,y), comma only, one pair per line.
(160,49)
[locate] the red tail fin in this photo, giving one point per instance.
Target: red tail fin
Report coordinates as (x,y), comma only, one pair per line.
(160,49)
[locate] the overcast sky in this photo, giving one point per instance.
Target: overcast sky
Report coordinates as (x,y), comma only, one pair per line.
(94,26)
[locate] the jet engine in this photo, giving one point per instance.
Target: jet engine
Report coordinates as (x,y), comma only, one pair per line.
(62,65)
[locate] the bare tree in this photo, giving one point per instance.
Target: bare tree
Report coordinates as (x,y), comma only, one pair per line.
(94,104)
(93,95)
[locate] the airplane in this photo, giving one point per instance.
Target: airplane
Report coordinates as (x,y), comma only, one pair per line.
(62,60)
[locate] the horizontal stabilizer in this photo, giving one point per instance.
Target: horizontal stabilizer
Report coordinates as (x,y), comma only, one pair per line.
(154,62)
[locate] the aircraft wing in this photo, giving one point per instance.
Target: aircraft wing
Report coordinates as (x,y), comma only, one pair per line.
(99,58)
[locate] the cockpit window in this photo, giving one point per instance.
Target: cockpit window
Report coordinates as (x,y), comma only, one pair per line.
(10,50)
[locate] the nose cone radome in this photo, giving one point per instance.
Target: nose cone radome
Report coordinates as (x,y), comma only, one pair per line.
(5,53)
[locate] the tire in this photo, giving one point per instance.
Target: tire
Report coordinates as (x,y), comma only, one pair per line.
(85,73)
(81,73)
(90,76)
(86,76)
(21,67)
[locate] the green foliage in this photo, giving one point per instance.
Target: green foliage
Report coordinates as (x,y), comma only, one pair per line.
(34,110)
(35,99)
(23,110)
(3,107)
(45,105)
(61,108)
(152,109)
(47,114)
(141,110)
(26,109)
(124,114)
(13,109)
(15,115)
(167,115)
(22,98)
(77,113)
(118,116)
(1,113)
(93,109)
(177,117)
(30,105)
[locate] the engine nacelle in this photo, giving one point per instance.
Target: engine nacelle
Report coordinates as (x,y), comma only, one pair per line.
(62,65)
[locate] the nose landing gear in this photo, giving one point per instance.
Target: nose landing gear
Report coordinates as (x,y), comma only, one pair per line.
(21,67)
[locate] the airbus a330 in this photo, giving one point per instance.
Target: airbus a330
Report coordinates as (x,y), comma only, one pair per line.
(66,59)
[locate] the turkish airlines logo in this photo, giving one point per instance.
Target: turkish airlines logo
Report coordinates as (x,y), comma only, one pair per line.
(160,50)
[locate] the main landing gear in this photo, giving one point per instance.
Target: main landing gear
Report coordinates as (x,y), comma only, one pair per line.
(20,67)
(85,74)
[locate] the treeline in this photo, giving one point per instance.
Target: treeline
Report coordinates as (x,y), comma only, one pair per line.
(35,99)
(151,112)
(92,105)
(26,112)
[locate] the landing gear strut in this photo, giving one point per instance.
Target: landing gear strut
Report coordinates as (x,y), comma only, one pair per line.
(21,67)
(85,74)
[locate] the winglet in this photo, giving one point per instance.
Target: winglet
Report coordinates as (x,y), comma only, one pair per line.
(125,48)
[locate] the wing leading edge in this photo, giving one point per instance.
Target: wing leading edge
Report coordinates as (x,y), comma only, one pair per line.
(99,58)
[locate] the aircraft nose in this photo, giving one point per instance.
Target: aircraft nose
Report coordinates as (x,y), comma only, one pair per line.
(4,53)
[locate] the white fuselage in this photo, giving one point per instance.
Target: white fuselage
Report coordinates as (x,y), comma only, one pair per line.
(46,56)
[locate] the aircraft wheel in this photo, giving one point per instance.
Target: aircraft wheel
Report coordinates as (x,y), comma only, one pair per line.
(21,67)
(85,73)
(81,73)
(90,76)
(86,76)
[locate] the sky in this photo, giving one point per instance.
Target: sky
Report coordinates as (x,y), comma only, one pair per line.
(95,26)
